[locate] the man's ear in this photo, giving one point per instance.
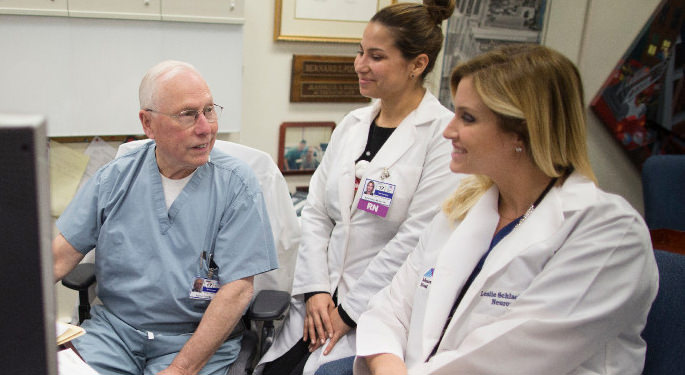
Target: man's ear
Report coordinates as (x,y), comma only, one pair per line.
(146,120)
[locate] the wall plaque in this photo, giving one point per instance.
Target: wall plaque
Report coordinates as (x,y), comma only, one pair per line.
(324,79)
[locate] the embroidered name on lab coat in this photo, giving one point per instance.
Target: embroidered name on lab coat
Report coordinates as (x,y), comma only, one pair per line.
(499,298)
(427,278)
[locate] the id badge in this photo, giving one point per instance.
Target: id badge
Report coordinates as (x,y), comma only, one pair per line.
(204,288)
(376,197)
(205,283)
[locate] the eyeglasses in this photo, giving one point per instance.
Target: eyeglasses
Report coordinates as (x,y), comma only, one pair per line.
(188,117)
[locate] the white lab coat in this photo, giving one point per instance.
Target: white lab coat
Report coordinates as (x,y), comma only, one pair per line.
(353,251)
(567,292)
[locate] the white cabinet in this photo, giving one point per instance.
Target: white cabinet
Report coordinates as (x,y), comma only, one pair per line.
(210,11)
(215,11)
(130,9)
(35,7)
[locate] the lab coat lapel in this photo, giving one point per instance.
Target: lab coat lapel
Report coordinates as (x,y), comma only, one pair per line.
(352,146)
(455,262)
(399,142)
(541,224)
(404,137)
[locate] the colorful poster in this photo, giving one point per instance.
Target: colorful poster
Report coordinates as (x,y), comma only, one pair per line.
(642,103)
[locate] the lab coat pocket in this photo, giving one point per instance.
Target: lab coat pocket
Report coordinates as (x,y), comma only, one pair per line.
(458,330)
(495,301)
(507,281)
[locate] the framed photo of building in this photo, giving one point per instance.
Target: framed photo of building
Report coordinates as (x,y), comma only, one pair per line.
(301,146)
(477,26)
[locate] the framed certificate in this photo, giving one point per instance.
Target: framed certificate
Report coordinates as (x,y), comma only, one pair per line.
(340,21)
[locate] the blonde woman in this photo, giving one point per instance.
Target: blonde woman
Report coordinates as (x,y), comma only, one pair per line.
(531,268)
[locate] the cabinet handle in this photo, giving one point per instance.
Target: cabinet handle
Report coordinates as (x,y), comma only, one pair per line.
(232,4)
(146,2)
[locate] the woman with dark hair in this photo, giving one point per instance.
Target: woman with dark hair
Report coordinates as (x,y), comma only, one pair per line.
(351,247)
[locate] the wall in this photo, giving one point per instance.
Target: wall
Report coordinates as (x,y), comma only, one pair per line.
(266,83)
(83,73)
(594,33)
(610,28)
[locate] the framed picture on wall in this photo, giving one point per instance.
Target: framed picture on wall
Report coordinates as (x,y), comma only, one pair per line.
(642,102)
(478,26)
(341,21)
(301,146)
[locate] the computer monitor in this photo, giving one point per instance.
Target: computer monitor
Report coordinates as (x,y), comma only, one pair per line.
(27,304)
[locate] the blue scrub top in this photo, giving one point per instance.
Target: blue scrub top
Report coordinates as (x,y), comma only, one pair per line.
(147,257)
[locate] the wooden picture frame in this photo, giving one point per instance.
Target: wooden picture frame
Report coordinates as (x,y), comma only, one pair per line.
(301,146)
(320,28)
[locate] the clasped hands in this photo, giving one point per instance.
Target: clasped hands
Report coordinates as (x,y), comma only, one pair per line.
(322,321)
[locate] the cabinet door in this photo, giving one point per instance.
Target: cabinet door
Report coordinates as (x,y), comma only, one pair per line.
(34,7)
(132,9)
(215,11)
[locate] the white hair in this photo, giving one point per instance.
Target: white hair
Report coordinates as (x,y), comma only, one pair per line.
(147,92)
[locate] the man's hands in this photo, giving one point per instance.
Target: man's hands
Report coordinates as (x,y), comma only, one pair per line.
(322,321)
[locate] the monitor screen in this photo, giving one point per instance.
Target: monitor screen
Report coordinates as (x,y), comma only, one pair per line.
(27,310)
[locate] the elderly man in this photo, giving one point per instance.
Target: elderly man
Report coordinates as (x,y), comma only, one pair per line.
(161,217)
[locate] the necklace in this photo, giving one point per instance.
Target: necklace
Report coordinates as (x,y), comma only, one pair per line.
(536,203)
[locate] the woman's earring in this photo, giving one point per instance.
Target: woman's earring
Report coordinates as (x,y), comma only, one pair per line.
(518,149)
(411,76)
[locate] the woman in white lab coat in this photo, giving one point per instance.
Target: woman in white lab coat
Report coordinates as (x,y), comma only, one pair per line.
(353,243)
(531,268)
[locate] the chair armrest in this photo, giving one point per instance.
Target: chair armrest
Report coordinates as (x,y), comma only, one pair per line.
(81,277)
(269,305)
(668,239)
